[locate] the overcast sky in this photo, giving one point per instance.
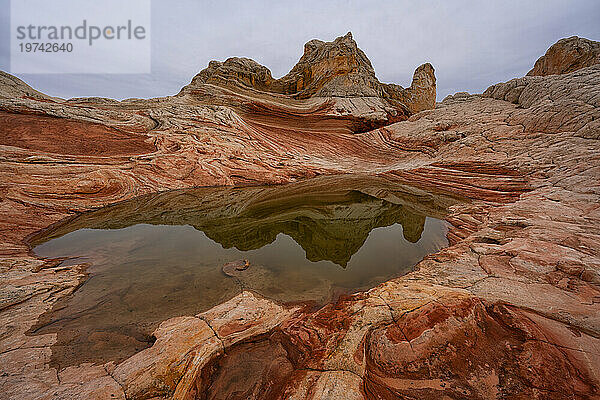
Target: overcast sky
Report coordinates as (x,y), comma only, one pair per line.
(471,44)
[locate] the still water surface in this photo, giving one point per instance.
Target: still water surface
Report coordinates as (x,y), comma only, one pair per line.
(161,256)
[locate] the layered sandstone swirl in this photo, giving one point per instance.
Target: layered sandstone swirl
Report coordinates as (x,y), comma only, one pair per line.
(357,239)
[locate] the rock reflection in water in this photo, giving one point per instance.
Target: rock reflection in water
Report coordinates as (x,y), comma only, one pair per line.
(161,256)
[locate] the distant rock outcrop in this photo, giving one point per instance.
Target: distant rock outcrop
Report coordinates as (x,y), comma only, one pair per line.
(326,69)
(567,55)
(569,68)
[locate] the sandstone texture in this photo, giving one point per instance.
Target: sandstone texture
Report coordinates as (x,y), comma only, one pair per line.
(326,69)
(509,310)
(567,55)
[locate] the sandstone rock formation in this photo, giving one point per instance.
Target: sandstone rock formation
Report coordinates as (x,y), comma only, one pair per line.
(326,69)
(508,310)
(567,55)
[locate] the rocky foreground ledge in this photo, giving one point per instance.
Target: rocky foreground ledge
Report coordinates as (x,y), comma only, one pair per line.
(511,309)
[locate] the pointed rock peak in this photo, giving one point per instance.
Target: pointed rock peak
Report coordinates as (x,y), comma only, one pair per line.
(346,38)
(422,89)
(424,76)
(337,68)
(332,48)
(316,43)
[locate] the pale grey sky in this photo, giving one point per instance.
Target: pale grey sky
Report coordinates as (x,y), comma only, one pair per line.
(472,44)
